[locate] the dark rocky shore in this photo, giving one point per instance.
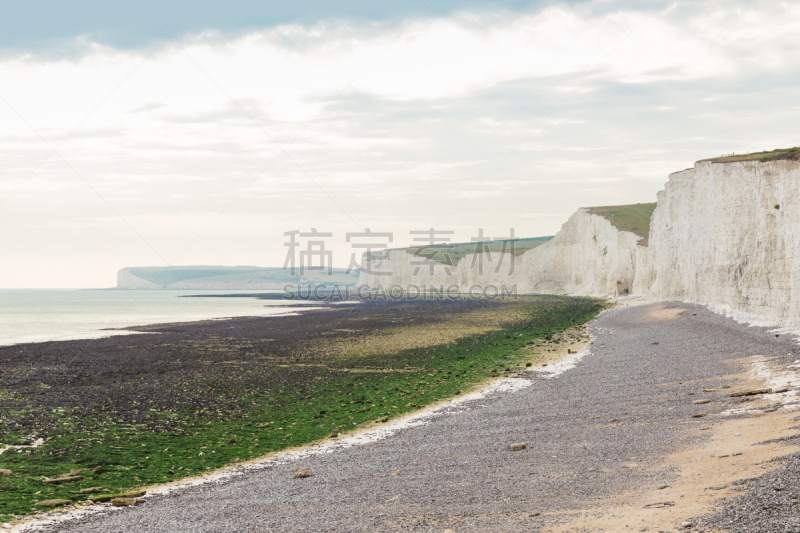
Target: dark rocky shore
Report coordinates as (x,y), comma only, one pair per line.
(198,365)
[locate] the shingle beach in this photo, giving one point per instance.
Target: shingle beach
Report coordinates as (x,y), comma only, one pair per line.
(603,433)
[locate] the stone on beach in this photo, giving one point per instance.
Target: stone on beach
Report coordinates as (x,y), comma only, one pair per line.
(124,502)
(659,505)
(752,392)
(54,503)
(109,497)
(300,473)
(92,490)
(63,478)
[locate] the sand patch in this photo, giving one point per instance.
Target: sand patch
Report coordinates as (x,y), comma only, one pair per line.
(705,473)
(662,314)
(390,339)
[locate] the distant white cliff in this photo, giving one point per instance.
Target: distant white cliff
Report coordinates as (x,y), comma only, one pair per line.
(222,277)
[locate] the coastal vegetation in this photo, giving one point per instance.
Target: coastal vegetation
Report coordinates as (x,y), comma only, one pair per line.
(634,218)
(123,413)
(765,156)
(451,254)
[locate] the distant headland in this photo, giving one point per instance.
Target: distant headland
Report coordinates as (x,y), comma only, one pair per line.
(227,277)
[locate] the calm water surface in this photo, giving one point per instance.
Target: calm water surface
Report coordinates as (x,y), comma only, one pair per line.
(36,315)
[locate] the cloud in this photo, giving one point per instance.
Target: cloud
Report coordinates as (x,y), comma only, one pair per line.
(341,124)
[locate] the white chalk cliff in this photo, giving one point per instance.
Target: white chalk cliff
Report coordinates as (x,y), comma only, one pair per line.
(727,235)
(723,234)
(588,256)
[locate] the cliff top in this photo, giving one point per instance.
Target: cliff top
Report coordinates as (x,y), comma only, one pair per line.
(451,254)
(634,218)
(772,155)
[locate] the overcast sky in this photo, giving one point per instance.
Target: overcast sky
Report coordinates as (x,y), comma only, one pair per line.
(134,135)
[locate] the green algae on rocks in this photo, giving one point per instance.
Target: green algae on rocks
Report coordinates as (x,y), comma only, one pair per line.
(125,412)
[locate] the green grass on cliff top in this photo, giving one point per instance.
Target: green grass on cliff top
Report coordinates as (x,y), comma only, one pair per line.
(451,254)
(770,155)
(634,218)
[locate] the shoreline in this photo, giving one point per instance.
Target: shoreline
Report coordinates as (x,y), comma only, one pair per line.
(371,433)
(454,344)
(364,436)
(62,317)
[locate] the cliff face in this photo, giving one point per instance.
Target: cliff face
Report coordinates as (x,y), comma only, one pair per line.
(589,256)
(724,234)
(727,235)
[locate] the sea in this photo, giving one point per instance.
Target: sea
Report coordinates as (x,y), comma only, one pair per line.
(38,315)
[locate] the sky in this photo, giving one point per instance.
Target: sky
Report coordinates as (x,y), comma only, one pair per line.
(199,133)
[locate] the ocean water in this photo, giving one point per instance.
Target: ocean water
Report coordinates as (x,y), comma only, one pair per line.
(37,315)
